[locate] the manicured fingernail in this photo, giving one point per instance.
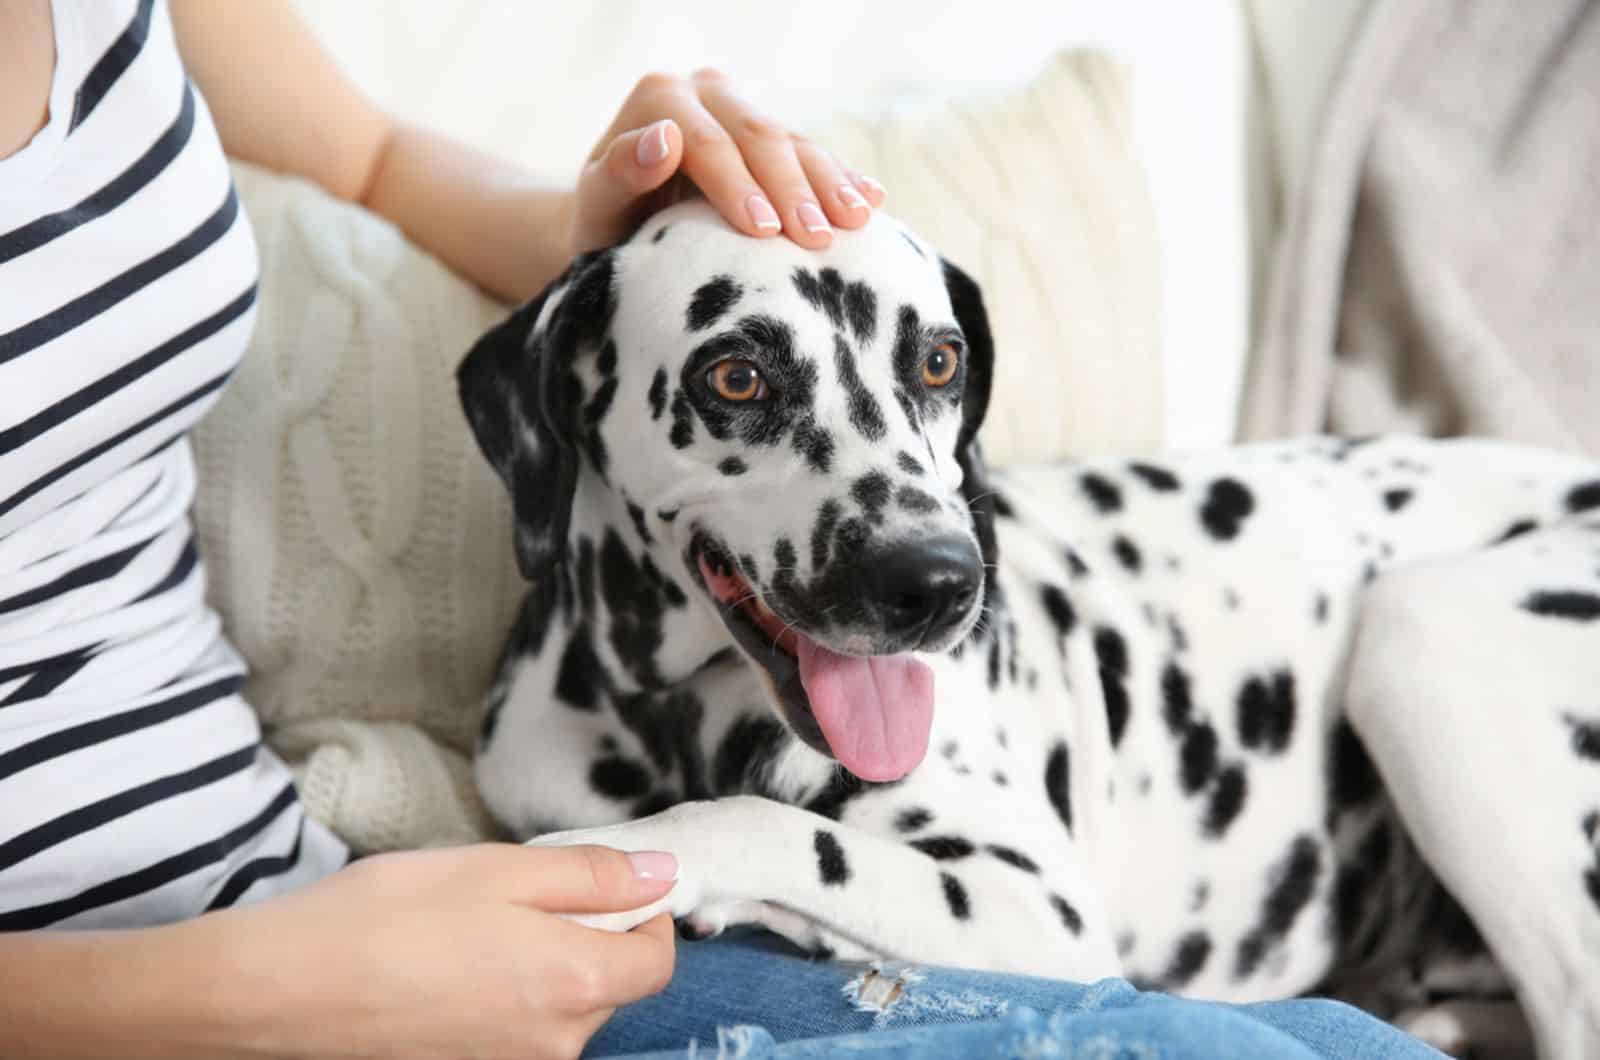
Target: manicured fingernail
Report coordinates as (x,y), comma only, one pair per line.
(811,217)
(652,148)
(762,215)
(654,865)
(870,184)
(852,198)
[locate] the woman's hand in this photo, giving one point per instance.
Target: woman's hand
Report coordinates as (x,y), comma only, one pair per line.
(763,178)
(442,953)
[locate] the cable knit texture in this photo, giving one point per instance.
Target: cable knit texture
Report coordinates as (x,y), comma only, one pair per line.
(359,545)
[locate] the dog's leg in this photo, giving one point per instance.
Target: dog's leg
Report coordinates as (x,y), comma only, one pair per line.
(863,892)
(1475,683)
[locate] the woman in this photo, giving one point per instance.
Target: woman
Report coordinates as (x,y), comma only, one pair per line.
(135,794)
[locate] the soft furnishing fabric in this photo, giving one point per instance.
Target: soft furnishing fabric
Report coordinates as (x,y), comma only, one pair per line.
(1441,271)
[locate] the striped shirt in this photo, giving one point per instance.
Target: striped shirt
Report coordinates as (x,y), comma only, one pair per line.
(134,787)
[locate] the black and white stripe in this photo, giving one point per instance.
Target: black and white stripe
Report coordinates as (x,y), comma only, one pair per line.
(134,787)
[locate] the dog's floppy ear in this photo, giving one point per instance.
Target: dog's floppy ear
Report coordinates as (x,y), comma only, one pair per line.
(967,301)
(521,397)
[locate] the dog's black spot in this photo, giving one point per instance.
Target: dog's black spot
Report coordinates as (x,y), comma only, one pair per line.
(1571,604)
(995,664)
(1015,858)
(1516,529)
(908,463)
(711,301)
(944,847)
(1058,783)
(871,491)
(861,309)
(815,444)
(666,515)
(911,499)
(1396,499)
(840,788)
(1319,609)
(658,394)
(865,413)
(1199,896)
(1583,497)
(579,676)
(1227,800)
(636,513)
(1267,712)
(606,362)
(682,435)
(1177,702)
(1059,609)
(1228,503)
(827,292)
(853,535)
(822,532)
(999,778)
(1102,492)
(1591,825)
(1293,880)
(661,233)
(1585,736)
(1127,554)
(911,819)
(733,466)
(1002,507)
(749,744)
(956,896)
(1069,916)
(1193,950)
(619,778)
(1157,478)
(1075,563)
(1111,652)
(830,859)
(635,608)
(1197,757)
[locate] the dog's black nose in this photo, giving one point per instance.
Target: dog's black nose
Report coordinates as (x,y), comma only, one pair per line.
(924,588)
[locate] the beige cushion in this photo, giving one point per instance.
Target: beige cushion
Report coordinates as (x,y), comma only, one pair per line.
(359,546)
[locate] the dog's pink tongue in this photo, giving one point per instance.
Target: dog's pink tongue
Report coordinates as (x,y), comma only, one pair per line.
(875,712)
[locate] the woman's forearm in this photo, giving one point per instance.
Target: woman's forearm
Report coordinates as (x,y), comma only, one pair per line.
(158,992)
(484,217)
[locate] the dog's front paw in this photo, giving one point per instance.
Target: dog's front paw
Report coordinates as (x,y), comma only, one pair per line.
(679,902)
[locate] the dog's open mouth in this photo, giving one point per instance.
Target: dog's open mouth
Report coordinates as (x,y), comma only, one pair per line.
(871,712)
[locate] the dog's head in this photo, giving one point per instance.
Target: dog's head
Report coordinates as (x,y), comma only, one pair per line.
(790,434)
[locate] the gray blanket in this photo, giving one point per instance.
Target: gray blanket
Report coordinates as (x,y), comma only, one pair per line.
(1441,273)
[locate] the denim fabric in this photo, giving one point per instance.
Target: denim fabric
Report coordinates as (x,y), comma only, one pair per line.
(750,995)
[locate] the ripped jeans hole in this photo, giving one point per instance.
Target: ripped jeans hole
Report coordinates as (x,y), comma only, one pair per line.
(887,994)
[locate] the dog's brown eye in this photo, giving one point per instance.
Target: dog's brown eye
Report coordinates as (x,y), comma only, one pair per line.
(941,365)
(736,380)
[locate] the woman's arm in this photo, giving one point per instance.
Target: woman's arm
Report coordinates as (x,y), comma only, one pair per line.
(280,101)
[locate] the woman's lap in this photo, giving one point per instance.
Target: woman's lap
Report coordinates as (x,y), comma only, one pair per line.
(757,997)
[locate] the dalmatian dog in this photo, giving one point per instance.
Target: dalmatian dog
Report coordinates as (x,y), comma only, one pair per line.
(1314,715)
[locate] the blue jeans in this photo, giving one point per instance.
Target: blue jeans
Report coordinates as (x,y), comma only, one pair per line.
(751,996)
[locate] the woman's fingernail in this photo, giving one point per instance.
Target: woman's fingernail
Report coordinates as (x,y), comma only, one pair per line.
(811,217)
(654,865)
(762,215)
(852,198)
(870,184)
(652,148)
